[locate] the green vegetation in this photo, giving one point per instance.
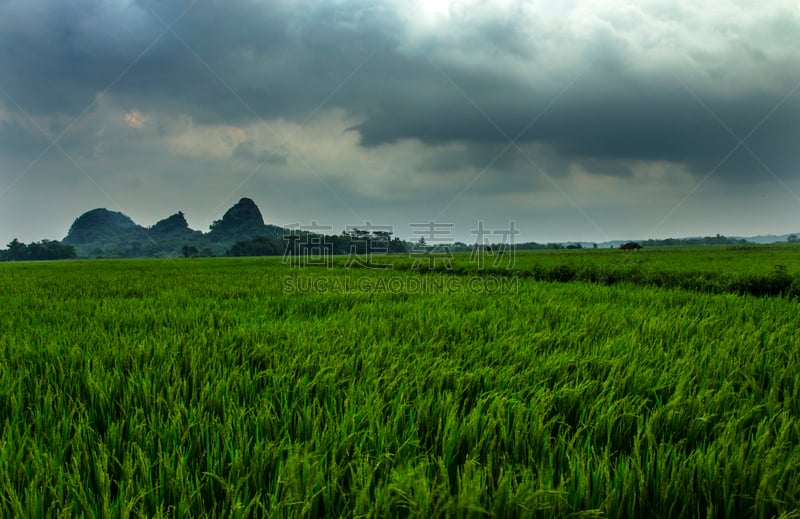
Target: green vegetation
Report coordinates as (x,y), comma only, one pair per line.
(301,243)
(101,233)
(243,388)
(241,232)
(742,269)
(34,251)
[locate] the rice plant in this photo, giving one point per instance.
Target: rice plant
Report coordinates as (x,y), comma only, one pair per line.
(228,388)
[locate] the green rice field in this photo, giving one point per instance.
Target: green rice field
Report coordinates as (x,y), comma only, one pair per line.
(590,383)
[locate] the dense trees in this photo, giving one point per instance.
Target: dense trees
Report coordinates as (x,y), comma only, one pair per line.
(353,242)
(705,240)
(43,250)
(258,246)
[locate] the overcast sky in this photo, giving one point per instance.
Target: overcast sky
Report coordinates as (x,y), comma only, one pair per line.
(575,120)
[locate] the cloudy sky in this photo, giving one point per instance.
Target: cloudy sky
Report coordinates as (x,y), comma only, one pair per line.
(576,120)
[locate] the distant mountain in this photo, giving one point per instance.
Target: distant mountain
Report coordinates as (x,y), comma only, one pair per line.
(100,225)
(242,221)
(706,240)
(241,231)
(772,238)
(666,242)
(175,225)
(104,233)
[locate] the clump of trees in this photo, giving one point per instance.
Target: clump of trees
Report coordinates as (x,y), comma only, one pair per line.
(354,241)
(705,240)
(190,251)
(42,250)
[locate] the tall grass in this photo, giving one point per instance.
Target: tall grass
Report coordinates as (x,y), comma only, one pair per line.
(192,388)
(760,270)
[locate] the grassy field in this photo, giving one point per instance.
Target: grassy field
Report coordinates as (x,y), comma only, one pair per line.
(741,269)
(244,388)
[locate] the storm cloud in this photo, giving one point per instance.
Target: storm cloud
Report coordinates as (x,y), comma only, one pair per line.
(399,105)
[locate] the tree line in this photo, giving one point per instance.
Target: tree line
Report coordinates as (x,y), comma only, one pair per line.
(42,250)
(303,243)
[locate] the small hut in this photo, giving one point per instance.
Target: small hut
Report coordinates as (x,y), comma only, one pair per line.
(631,245)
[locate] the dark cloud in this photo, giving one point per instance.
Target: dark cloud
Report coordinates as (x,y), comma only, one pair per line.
(600,88)
(659,122)
(237,61)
